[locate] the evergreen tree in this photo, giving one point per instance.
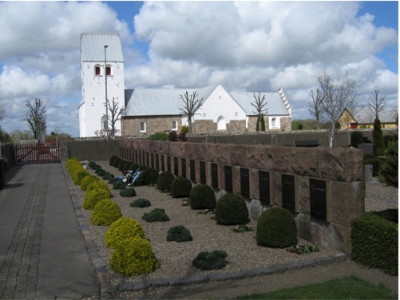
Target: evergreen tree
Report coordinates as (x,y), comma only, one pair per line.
(262,123)
(389,169)
(377,137)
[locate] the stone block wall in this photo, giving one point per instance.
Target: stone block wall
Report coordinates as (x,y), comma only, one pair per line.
(131,126)
(260,173)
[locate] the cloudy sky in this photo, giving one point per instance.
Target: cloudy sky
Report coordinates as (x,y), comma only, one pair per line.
(245,46)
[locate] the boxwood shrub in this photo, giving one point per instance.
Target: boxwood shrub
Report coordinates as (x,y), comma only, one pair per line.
(231,209)
(156,215)
(179,234)
(121,229)
(210,260)
(202,197)
(129,192)
(164,181)
(105,213)
(92,197)
(141,202)
(374,239)
(180,187)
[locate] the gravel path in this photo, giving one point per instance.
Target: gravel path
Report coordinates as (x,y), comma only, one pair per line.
(175,258)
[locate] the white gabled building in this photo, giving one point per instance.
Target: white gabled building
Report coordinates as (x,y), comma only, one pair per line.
(153,110)
(94,55)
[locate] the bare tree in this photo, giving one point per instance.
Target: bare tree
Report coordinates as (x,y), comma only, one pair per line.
(259,104)
(114,115)
(315,107)
(336,96)
(191,106)
(376,103)
(36,118)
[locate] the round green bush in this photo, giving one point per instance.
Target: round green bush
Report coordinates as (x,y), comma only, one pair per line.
(105,213)
(121,165)
(99,184)
(164,181)
(276,228)
(129,192)
(180,187)
(119,185)
(87,181)
(231,209)
(116,162)
(133,256)
(210,260)
(112,159)
(92,197)
(179,234)
(202,197)
(121,229)
(113,180)
(92,165)
(79,175)
(150,176)
(127,166)
(140,203)
(156,215)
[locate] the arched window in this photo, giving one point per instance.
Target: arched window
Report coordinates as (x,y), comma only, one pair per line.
(174,125)
(97,70)
(273,122)
(108,71)
(142,127)
(221,123)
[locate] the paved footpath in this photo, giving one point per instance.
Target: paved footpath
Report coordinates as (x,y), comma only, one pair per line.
(42,250)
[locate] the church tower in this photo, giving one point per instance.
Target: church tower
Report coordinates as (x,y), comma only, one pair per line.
(102,73)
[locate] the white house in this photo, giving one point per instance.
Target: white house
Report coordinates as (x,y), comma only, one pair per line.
(96,51)
(147,111)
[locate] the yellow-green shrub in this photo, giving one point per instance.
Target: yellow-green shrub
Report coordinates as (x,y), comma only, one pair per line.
(93,197)
(105,213)
(71,163)
(99,184)
(78,175)
(121,229)
(133,256)
(87,181)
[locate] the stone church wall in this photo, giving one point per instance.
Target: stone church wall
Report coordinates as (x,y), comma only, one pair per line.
(323,187)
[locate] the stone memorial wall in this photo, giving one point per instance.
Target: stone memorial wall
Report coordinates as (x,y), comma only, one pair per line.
(323,187)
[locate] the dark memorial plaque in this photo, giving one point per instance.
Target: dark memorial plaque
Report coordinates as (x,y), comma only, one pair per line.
(157,163)
(169,163)
(214,175)
(192,171)
(288,192)
(318,198)
(162,163)
(183,165)
(136,159)
(176,166)
(147,159)
(152,160)
(203,172)
(264,187)
(228,179)
(244,183)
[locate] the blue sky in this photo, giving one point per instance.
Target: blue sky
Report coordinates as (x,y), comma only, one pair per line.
(245,46)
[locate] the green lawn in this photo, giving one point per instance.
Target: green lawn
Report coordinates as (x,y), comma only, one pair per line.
(350,287)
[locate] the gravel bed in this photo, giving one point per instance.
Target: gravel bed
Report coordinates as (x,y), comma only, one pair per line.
(176,258)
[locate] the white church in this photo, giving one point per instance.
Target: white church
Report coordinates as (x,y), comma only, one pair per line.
(146,111)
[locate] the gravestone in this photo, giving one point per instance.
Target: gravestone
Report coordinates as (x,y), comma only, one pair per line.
(157,163)
(214,175)
(318,199)
(264,187)
(228,179)
(183,165)
(162,163)
(288,192)
(147,159)
(244,183)
(203,172)
(152,160)
(192,170)
(169,164)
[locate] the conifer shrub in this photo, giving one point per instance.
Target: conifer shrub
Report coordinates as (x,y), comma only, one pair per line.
(133,256)
(156,215)
(231,209)
(116,161)
(121,229)
(119,185)
(105,213)
(179,234)
(100,172)
(112,160)
(121,165)
(78,175)
(388,172)
(87,181)
(72,163)
(99,184)
(180,187)
(164,181)
(92,197)
(129,192)
(108,177)
(276,228)
(357,137)
(202,197)
(141,202)
(112,180)
(127,166)
(214,260)
(92,165)
(150,176)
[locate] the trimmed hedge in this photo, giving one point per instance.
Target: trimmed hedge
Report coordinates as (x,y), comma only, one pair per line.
(92,197)
(202,197)
(121,229)
(164,181)
(231,210)
(276,227)
(180,187)
(105,213)
(375,242)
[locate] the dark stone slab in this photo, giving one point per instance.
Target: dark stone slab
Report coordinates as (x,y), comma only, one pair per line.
(288,192)
(244,183)
(214,175)
(318,199)
(183,166)
(228,179)
(192,170)
(203,179)
(264,187)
